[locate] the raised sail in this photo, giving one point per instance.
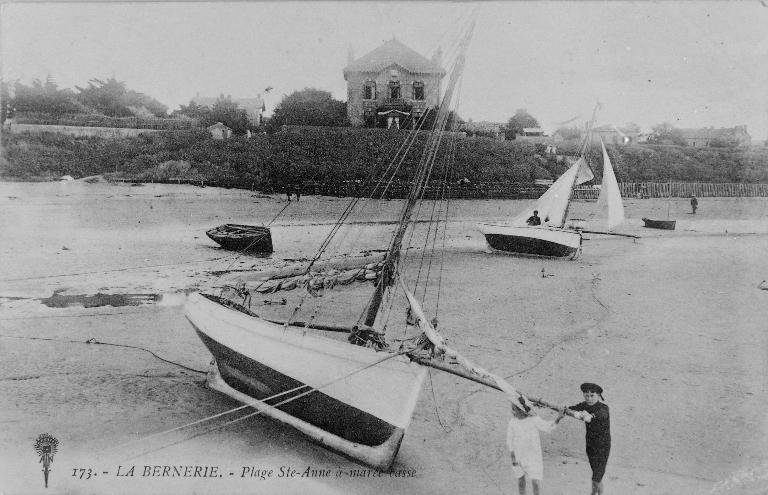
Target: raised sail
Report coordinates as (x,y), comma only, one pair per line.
(610,196)
(553,204)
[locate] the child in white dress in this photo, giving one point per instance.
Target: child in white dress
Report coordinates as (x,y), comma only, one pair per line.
(525,445)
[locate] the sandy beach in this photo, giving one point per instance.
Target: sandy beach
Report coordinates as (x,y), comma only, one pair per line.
(672,325)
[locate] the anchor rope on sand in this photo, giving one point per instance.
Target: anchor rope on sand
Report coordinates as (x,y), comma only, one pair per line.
(96,342)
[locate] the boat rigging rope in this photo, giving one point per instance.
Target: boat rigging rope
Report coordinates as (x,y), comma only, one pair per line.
(282,402)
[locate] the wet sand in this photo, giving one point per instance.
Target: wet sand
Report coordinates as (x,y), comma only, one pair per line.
(672,325)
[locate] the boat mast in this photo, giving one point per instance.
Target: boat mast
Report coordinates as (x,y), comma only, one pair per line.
(419,182)
(587,140)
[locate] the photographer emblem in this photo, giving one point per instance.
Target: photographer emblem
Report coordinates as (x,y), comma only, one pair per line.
(46,446)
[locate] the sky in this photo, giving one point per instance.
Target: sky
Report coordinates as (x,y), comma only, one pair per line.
(690,63)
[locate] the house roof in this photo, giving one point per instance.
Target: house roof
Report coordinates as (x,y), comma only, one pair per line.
(390,53)
(218,125)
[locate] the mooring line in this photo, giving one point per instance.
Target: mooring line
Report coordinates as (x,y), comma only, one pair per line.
(96,342)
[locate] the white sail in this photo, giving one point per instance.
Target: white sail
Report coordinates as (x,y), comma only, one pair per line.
(553,203)
(610,196)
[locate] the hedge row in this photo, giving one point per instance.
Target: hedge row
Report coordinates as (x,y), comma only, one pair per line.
(335,155)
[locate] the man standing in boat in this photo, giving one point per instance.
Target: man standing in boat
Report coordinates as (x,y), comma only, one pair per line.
(534,219)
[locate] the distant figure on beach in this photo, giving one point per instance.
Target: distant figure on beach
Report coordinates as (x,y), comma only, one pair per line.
(595,415)
(298,191)
(534,219)
(525,445)
(288,192)
(694,204)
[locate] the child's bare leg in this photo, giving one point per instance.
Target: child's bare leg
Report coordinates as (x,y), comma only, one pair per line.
(521,484)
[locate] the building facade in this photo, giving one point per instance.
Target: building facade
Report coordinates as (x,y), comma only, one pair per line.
(709,136)
(392,86)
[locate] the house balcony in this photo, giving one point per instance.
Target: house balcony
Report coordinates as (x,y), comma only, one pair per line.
(400,104)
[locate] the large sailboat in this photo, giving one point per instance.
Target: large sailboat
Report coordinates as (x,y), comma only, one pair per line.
(342,384)
(551,238)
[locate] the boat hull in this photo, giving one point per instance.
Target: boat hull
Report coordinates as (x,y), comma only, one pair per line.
(532,241)
(659,224)
(313,384)
(236,237)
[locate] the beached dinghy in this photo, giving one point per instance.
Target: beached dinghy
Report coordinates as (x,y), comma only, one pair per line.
(552,238)
(659,224)
(662,224)
(246,238)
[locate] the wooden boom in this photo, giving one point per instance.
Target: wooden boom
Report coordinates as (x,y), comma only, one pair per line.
(484,381)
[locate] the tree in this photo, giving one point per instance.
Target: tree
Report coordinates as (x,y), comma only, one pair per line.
(519,121)
(5,102)
(193,111)
(309,107)
(666,134)
(44,98)
(570,133)
(114,99)
(229,113)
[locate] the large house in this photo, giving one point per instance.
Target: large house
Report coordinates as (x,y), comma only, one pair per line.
(254,107)
(707,136)
(392,86)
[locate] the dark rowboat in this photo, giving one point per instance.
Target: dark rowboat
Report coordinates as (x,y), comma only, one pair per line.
(659,224)
(242,237)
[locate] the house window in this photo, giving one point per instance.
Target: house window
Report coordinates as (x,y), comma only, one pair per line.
(418,90)
(369,90)
(394,89)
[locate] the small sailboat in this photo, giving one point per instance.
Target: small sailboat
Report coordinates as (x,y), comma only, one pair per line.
(342,384)
(552,238)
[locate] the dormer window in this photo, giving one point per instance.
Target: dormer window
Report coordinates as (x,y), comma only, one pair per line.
(369,90)
(394,89)
(418,90)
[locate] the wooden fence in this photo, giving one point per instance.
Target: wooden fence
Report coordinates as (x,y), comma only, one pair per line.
(698,189)
(496,190)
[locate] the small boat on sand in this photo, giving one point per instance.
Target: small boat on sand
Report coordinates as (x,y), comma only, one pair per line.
(238,237)
(659,224)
